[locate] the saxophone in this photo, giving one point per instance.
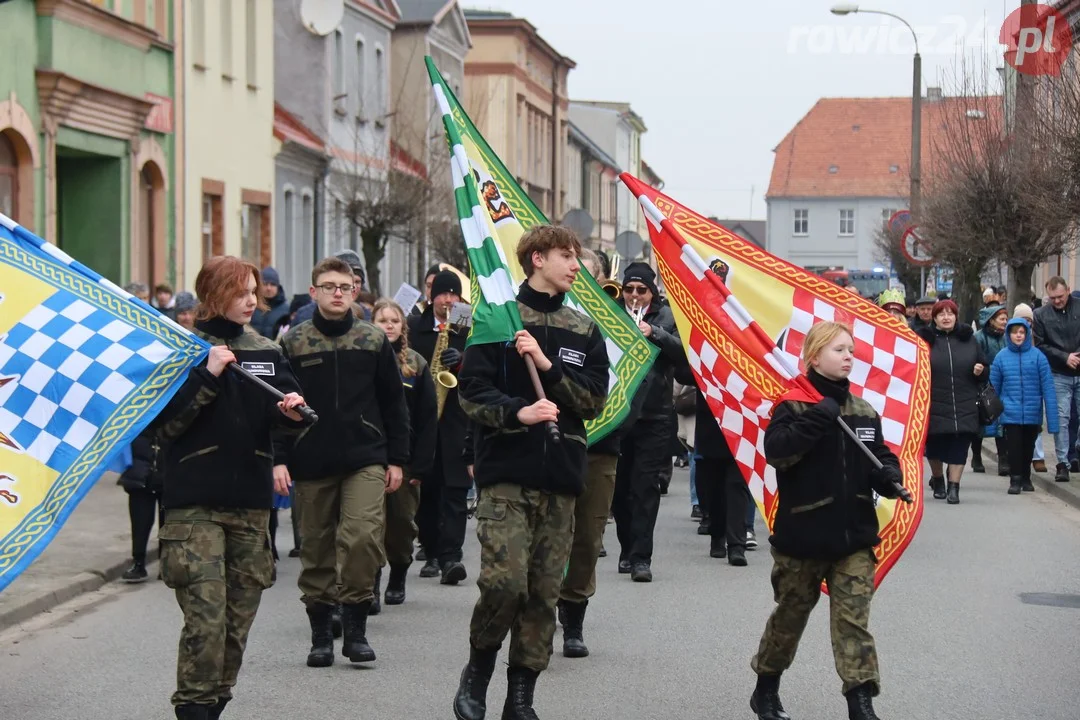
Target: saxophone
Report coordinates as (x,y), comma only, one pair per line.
(444,379)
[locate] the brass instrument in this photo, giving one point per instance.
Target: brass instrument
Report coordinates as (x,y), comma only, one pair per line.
(613,287)
(444,379)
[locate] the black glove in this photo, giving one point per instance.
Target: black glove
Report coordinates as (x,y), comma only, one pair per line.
(891,480)
(830,406)
(451,359)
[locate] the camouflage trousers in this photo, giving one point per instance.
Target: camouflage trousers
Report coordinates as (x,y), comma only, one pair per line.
(341,523)
(400,530)
(218,561)
(525,538)
(590,518)
(796,588)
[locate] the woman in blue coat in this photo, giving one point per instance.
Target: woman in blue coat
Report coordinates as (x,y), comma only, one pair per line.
(1021,376)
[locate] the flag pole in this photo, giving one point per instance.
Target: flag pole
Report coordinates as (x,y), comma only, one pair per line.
(305,410)
(553,429)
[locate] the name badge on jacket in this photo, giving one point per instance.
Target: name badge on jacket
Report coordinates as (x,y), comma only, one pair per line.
(259,368)
(574,357)
(865,434)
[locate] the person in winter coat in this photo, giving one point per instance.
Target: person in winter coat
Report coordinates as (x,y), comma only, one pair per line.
(401,530)
(142,482)
(826,524)
(269,321)
(957,370)
(991,339)
(1022,378)
(1023,310)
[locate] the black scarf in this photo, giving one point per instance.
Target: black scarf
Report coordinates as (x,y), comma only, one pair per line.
(838,390)
(332,328)
(220,327)
(539,301)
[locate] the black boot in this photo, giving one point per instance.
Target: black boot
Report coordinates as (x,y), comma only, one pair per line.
(1003,469)
(136,573)
(453,572)
(376,602)
(573,621)
(354,623)
(737,556)
(954,493)
(1026,485)
(395,586)
(431,569)
(766,699)
(717,547)
(1062,474)
(335,621)
(1015,484)
(860,706)
(520,684)
(937,484)
(470,702)
(216,710)
(192,712)
(322,635)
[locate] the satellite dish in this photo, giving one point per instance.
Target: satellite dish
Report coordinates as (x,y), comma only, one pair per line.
(322,17)
(580,221)
(629,244)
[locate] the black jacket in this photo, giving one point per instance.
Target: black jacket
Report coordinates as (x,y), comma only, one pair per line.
(657,386)
(268,322)
(954,386)
(495,385)
(826,508)
(224,434)
(450,468)
(423,425)
(145,475)
(1057,334)
(351,378)
(709,440)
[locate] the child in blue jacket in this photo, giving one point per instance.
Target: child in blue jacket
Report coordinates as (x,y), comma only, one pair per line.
(1021,376)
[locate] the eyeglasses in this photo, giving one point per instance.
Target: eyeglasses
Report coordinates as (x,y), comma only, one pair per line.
(635,289)
(330,288)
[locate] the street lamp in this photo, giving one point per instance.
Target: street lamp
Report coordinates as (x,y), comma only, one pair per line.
(916,113)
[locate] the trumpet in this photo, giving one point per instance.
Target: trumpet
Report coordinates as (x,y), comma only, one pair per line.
(613,288)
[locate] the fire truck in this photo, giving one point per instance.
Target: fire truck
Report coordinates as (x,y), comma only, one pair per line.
(868,283)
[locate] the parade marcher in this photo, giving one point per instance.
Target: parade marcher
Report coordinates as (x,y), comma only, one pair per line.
(343,466)
(645,449)
(591,512)
(1022,378)
(991,338)
(924,309)
(525,516)
(142,482)
(826,525)
(224,436)
(268,322)
(425,301)
(305,312)
(444,490)
(1038,464)
(401,506)
(957,370)
(1056,331)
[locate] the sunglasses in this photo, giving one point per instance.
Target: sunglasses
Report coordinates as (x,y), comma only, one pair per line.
(635,290)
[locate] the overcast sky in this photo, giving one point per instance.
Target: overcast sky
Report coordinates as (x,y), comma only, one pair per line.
(719,83)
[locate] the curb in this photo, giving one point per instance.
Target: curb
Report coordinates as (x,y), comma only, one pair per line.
(1048,484)
(84,582)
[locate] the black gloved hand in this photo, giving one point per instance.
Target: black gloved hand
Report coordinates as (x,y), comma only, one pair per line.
(891,480)
(451,359)
(830,406)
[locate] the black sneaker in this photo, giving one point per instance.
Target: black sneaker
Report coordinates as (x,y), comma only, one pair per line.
(751,540)
(431,569)
(453,573)
(1062,474)
(135,574)
(695,513)
(624,566)
(294,553)
(641,572)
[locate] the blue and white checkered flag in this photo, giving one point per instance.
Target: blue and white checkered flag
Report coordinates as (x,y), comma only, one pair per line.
(84,367)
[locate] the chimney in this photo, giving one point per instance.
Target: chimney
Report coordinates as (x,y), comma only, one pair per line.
(933,94)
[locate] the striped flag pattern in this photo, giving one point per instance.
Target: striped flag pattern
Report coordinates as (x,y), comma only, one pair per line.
(495,312)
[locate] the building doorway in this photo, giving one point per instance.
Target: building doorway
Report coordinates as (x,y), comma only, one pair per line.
(9,178)
(90,217)
(148,251)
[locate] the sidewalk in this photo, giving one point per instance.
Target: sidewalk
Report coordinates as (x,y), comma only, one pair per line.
(93,548)
(1068,492)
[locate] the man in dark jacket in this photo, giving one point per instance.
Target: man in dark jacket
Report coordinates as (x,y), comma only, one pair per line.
(443,513)
(645,449)
(345,463)
(1056,328)
(359,280)
(268,322)
(924,307)
(529,481)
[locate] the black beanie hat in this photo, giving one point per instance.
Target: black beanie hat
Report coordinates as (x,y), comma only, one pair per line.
(433,270)
(642,273)
(444,282)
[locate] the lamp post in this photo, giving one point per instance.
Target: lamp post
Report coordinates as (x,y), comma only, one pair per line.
(915,191)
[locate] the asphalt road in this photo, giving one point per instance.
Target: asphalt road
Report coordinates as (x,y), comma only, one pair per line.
(954,636)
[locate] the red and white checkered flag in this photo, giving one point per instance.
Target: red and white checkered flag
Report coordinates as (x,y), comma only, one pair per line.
(743,373)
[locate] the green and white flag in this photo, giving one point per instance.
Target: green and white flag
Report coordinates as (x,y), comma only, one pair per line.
(494,213)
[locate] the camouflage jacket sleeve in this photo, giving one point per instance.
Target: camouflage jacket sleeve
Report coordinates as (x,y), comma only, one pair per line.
(582,390)
(482,398)
(793,433)
(199,390)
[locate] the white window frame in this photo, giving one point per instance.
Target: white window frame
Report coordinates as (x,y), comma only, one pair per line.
(795,222)
(842,220)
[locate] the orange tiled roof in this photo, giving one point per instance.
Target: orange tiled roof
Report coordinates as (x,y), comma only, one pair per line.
(857,147)
(288,129)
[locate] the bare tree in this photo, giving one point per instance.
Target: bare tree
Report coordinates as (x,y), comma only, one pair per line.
(888,244)
(997,191)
